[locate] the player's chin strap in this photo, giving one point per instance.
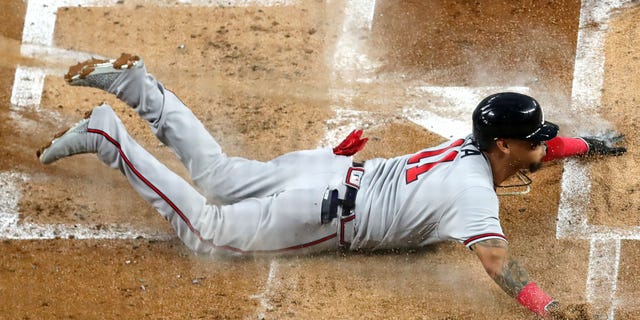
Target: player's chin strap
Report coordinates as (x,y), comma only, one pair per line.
(525,185)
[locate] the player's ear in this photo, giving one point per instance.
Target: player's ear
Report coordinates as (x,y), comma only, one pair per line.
(503,145)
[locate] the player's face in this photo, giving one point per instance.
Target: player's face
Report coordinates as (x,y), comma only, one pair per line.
(528,154)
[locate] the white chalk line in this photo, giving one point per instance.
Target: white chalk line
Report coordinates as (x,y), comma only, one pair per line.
(588,81)
(350,61)
(270,285)
(446,113)
(602,278)
(12,228)
(446,106)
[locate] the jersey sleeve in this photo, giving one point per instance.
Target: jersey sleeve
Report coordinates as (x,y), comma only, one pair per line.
(473,217)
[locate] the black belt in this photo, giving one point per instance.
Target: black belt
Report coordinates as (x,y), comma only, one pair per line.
(349,202)
(330,203)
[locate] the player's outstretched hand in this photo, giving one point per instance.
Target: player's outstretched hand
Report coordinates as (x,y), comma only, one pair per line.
(578,311)
(605,145)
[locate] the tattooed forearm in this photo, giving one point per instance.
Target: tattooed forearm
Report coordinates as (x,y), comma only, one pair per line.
(513,278)
(507,273)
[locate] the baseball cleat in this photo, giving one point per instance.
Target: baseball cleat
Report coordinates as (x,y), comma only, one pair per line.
(97,73)
(74,140)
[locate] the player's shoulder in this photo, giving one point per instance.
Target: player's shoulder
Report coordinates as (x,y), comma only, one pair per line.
(472,167)
(470,156)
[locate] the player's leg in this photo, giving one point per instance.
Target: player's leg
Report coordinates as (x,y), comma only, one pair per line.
(177,127)
(172,122)
(286,222)
(221,178)
(104,134)
(127,78)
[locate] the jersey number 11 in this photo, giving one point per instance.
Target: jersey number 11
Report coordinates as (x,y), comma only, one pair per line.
(412,173)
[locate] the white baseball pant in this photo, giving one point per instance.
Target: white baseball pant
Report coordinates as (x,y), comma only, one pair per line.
(266,207)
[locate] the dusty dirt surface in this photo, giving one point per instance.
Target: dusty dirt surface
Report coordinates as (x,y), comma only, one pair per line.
(261,80)
(621,191)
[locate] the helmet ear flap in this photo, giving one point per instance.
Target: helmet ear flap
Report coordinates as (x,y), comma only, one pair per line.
(482,144)
(485,144)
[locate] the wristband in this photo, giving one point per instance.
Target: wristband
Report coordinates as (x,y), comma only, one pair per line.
(534,299)
(563,147)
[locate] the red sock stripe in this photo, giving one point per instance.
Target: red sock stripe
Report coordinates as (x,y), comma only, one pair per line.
(184,217)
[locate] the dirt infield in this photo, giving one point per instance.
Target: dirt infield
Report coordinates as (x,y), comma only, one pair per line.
(266,79)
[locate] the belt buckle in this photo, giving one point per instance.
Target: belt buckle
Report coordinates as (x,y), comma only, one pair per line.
(354,176)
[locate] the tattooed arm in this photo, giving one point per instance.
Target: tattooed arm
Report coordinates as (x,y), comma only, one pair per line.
(511,276)
(501,267)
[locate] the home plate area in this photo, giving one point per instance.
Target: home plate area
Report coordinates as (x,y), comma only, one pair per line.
(268,77)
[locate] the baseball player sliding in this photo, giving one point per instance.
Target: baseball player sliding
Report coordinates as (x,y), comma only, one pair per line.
(317,200)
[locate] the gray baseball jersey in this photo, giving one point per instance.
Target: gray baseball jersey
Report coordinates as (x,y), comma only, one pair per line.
(246,206)
(437,194)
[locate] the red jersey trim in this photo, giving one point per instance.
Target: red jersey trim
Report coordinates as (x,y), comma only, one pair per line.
(482,236)
(342,223)
(185,219)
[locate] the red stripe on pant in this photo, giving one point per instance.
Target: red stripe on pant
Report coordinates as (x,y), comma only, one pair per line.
(184,217)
